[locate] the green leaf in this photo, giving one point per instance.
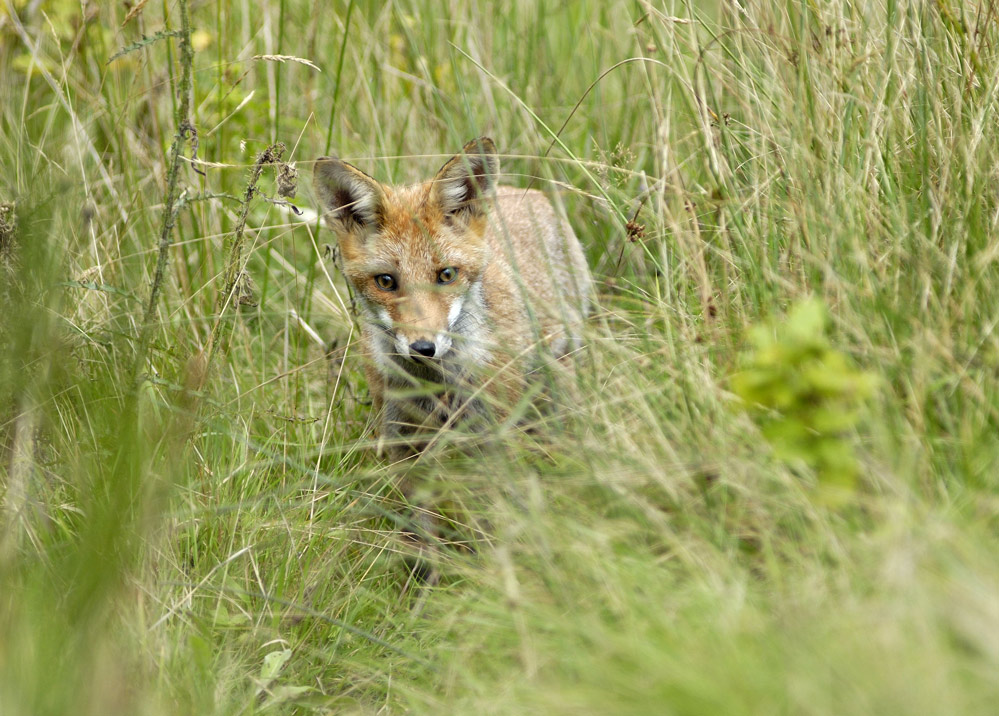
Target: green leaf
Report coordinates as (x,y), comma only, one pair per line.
(803,393)
(806,322)
(273,663)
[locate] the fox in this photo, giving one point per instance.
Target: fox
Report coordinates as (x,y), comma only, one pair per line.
(462,286)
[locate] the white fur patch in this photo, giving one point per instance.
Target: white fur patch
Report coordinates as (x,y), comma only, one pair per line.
(380,354)
(469,327)
(401,344)
(454,311)
(362,202)
(443,340)
(453,192)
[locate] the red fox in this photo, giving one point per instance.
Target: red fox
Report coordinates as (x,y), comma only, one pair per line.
(458,282)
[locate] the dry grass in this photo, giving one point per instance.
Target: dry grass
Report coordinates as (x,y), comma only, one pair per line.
(226,541)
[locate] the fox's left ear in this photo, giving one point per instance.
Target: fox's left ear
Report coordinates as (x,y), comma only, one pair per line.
(461,184)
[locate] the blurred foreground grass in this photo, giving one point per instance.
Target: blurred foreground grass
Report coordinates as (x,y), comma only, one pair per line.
(184,538)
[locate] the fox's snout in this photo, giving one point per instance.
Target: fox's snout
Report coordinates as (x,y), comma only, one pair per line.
(423,348)
(422,329)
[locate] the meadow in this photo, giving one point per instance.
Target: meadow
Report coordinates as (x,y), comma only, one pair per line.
(769,486)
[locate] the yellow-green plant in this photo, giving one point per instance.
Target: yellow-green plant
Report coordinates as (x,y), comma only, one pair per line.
(804,394)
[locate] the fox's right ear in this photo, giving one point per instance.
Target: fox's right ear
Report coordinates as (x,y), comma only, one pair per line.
(350,200)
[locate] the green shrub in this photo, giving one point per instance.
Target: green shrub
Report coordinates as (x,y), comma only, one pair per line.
(804,394)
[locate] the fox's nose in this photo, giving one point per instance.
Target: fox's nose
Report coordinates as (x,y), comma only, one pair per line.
(424,348)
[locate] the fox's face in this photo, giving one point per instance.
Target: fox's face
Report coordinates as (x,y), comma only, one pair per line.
(414,255)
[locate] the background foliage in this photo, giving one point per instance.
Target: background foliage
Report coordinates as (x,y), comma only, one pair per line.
(192,515)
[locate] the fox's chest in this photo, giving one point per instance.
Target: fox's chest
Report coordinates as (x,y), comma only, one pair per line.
(431,409)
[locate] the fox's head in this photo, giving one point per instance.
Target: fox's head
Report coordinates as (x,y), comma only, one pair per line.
(415,255)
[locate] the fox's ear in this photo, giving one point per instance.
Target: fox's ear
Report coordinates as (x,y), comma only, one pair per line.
(350,200)
(461,184)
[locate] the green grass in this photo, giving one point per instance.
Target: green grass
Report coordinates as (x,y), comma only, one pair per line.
(186,536)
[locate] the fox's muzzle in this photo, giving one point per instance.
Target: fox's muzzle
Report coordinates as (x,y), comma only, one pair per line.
(422,348)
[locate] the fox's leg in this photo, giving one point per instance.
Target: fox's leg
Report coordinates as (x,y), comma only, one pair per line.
(418,524)
(398,420)
(399,440)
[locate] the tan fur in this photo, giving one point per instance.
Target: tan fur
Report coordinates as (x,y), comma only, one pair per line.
(522,282)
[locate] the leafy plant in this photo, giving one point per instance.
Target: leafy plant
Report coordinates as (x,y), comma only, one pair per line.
(804,394)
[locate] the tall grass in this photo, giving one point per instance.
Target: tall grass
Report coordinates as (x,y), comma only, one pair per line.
(179,540)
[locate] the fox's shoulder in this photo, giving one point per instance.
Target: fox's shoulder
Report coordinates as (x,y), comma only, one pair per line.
(538,243)
(512,195)
(525,206)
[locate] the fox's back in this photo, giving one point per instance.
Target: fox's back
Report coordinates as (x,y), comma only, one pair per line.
(538,264)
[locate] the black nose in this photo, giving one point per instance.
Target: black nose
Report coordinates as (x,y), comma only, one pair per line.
(424,348)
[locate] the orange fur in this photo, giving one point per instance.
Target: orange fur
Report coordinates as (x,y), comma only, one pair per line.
(520,283)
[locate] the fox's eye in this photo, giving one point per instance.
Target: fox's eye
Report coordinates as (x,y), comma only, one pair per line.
(447,275)
(385,281)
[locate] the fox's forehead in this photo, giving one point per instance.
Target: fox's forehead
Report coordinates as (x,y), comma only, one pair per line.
(407,213)
(414,235)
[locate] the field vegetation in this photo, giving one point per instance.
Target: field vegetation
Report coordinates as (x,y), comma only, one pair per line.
(769,486)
